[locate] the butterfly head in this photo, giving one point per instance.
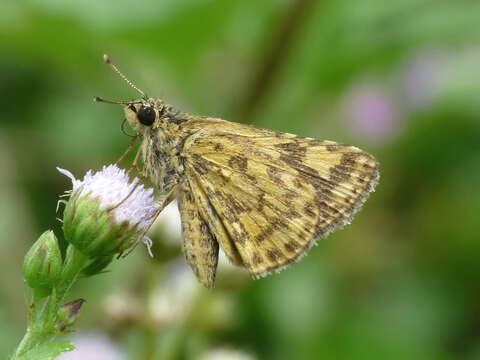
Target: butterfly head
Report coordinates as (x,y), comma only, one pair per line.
(144,114)
(140,114)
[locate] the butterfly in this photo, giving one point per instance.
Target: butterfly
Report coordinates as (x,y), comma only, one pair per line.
(264,197)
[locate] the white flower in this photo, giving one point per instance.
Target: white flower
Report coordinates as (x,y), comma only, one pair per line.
(106,211)
(112,186)
(172,301)
(225,353)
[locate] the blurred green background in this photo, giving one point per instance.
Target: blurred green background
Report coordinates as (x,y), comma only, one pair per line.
(400,79)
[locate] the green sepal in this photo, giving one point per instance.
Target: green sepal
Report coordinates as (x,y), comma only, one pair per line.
(97,266)
(94,231)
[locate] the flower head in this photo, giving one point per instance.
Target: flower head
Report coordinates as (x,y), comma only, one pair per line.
(106,211)
(112,187)
(225,353)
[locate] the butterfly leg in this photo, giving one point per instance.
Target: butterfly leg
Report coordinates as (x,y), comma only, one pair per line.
(135,164)
(129,148)
(171,195)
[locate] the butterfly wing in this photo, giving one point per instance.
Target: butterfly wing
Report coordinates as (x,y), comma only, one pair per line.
(266,196)
(200,245)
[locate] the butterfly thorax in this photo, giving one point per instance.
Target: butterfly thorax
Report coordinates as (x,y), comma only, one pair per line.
(162,147)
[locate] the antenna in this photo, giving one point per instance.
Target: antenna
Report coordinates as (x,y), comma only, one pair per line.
(113,66)
(99,99)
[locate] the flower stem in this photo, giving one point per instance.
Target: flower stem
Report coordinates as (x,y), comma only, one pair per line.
(28,342)
(74,263)
(42,313)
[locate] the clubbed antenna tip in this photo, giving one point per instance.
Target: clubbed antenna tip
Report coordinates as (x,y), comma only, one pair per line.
(107,59)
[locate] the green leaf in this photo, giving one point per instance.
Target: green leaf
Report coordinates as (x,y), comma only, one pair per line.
(48,351)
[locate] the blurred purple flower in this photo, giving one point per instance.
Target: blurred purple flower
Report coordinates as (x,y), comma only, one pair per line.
(370,112)
(93,346)
(421,78)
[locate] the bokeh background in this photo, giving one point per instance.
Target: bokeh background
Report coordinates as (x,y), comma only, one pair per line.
(400,79)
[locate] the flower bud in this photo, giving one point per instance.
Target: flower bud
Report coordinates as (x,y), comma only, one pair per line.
(43,263)
(106,212)
(68,313)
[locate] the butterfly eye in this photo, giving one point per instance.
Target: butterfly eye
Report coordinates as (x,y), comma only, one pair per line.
(146,115)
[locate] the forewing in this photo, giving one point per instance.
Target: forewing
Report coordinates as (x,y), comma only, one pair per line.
(275,193)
